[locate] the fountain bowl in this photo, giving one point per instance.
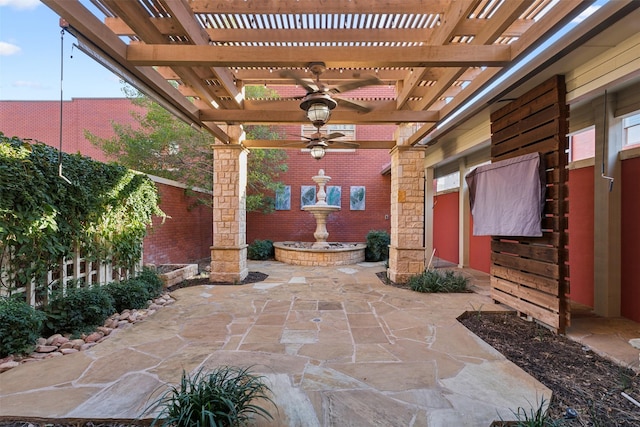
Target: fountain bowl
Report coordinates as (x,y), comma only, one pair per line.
(303,253)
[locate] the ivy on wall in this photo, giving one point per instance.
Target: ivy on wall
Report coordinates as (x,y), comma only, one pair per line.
(105,211)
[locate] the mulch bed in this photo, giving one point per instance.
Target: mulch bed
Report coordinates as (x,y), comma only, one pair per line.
(580,379)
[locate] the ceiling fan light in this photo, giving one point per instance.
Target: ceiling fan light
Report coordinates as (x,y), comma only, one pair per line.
(318,113)
(317,152)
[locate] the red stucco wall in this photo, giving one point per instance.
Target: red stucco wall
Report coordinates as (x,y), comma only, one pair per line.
(445,226)
(445,235)
(631,239)
(581,237)
(185,235)
(479,250)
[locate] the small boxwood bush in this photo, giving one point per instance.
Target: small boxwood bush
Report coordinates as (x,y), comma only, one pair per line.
(152,282)
(78,310)
(260,250)
(20,326)
(377,245)
(128,294)
(438,281)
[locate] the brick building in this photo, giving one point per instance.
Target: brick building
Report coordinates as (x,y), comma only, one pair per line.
(186,234)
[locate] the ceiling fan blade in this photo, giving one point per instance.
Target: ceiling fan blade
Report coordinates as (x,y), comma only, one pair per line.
(311,138)
(333,135)
(309,87)
(354,105)
(302,144)
(343,144)
(367,81)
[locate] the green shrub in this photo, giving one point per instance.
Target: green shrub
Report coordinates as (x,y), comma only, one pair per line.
(224,397)
(438,281)
(20,326)
(128,294)
(78,310)
(377,245)
(105,211)
(152,281)
(260,250)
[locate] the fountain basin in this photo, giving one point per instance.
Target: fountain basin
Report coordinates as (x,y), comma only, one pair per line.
(302,253)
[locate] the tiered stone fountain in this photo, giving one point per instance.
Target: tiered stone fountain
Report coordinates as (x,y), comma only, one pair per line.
(320,252)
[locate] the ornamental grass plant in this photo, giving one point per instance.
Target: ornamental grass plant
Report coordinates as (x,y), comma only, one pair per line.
(227,396)
(438,281)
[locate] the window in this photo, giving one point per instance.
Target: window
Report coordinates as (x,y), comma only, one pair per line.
(582,144)
(448,182)
(349,131)
(631,126)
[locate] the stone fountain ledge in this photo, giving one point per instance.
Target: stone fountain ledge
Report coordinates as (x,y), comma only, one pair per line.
(301,253)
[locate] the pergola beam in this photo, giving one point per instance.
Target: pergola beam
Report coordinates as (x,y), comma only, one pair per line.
(324,7)
(340,35)
(333,57)
(456,12)
(184,18)
(494,28)
(113,51)
(299,145)
(337,117)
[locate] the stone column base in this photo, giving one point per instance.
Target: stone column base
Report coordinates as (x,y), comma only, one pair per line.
(228,264)
(404,263)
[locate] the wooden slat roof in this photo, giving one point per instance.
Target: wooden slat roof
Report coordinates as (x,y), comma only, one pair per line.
(195,56)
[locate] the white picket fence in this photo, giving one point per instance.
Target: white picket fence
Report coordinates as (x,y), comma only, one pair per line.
(73,271)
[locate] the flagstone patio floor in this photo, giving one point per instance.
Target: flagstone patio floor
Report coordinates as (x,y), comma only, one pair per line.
(336,345)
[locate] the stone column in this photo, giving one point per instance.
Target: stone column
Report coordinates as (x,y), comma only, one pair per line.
(229,250)
(407,250)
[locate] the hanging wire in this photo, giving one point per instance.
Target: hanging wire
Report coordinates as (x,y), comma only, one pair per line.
(61,105)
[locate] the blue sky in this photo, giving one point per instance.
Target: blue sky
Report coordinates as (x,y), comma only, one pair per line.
(30,58)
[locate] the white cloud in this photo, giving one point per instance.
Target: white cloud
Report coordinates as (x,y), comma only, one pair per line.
(28,84)
(7,49)
(20,4)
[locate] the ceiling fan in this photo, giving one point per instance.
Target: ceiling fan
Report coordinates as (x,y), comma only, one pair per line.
(318,139)
(318,143)
(321,98)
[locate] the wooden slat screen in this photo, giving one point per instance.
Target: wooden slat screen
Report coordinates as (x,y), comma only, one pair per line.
(530,274)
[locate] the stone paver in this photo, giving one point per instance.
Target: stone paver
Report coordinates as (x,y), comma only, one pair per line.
(337,346)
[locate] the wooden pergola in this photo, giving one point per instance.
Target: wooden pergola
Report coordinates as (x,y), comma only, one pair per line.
(196,56)
(441,62)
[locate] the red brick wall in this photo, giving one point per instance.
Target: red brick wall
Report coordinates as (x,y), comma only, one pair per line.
(445,226)
(358,168)
(185,235)
(40,120)
(630,239)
